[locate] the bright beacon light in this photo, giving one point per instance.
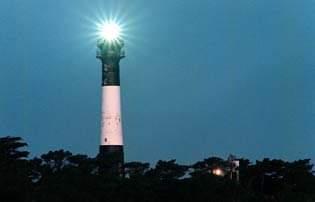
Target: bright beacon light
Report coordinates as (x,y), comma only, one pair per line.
(110,31)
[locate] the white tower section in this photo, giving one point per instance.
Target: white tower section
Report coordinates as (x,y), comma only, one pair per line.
(111,126)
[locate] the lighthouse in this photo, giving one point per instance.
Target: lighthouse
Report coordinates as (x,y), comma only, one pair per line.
(110,53)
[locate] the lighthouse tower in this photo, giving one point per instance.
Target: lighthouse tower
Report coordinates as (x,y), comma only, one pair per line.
(111,138)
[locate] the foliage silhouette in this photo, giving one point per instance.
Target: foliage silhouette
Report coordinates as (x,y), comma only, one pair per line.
(60,176)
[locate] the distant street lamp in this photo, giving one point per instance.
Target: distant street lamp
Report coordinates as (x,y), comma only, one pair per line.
(218,172)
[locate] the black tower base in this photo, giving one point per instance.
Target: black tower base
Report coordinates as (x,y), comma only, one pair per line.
(111,159)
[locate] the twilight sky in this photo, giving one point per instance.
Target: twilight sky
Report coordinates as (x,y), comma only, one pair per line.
(201,77)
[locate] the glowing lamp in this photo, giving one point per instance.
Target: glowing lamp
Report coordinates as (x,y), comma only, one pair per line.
(110,31)
(218,172)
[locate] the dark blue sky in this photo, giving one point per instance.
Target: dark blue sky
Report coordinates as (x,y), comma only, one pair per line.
(201,78)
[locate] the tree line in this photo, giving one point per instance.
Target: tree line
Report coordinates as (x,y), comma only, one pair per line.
(60,176)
